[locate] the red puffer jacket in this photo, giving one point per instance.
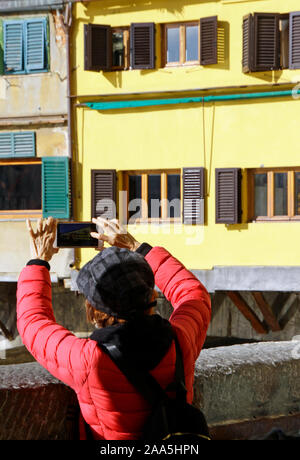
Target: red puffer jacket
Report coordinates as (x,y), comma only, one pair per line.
(108,402)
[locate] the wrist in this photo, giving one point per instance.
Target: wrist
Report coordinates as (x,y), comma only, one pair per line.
(135,246)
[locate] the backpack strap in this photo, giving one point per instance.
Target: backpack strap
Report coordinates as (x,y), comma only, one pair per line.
(143,381)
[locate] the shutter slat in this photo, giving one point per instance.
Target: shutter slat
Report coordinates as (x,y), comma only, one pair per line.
(228,195)
(294,54)
(193,195)
(103,193)
(208,40)
(142,45)
(56,187)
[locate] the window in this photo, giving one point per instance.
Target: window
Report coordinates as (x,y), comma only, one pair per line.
(35,187)
(271,41)
(107,48)
(274,194)
(25,46)
(120,48)
(182,44)
(20,188)
(153,195)
(190,43)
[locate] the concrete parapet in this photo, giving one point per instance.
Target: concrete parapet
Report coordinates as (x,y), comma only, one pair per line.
(243,390)
(252,386)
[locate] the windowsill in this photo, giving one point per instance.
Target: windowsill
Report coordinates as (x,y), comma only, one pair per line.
(19,74)
(276,219)
(178,64)
(11,215)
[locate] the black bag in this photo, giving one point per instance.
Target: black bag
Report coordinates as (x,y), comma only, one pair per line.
(171,420)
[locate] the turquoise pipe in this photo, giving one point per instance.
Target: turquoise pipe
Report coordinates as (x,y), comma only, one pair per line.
(115,105)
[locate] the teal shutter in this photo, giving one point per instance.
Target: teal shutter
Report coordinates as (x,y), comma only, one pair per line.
(13,46)
(17,145)
(24,144)
(6,145)
(56,187)
(35,44)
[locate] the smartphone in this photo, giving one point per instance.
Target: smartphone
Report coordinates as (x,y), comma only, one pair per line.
(76,235)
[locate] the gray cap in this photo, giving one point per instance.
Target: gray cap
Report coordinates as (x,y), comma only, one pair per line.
(118,282)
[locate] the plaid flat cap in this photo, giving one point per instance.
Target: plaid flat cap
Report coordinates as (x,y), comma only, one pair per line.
(118,282)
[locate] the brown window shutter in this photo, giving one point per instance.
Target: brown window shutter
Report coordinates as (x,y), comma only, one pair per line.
(142,45)
(266,41)
(248,43)
(97,47)
(103,192)
(228,195)
(294,54)
(193,195)
(209,40)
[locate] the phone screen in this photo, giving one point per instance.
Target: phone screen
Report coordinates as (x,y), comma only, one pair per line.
(76,235)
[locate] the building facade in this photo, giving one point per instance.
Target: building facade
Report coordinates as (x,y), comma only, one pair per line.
(194,109)
(35,152)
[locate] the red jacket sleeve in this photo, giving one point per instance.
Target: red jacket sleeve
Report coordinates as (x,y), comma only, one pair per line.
(64,355)
(188,296)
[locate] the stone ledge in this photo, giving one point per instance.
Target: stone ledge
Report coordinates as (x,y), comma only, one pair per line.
(243,390)
(247,383)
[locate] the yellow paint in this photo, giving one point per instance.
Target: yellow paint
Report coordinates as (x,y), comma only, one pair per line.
(246,134)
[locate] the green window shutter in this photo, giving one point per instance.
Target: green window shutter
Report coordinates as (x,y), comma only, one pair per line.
(6,145)
(17,145)
(13,46)
(24,144)
(35,44)
(56,187)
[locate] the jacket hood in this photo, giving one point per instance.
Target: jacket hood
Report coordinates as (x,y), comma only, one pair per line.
(144,340)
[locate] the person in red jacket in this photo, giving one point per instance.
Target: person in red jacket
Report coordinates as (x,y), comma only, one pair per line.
(118,285)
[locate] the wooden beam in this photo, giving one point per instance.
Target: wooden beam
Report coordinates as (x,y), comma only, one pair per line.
(289,314)
(216,302)
(249,314)
(280,302)
(6,332)
(267,311)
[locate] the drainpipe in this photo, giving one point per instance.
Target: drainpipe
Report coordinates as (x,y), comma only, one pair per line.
(114,105)
(67,27)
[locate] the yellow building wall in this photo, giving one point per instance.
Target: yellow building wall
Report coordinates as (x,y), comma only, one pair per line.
(232,134)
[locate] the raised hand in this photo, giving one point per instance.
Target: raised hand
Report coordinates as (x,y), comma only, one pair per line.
(114,234)
(42,240)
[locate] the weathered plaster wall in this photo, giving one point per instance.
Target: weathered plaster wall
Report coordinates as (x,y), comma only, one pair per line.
(41,93)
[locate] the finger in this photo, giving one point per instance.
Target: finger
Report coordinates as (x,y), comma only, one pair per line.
(39,226)
(29,227)
(116,223)
(100,236)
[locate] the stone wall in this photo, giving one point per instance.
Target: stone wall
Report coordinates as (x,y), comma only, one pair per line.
(243,390)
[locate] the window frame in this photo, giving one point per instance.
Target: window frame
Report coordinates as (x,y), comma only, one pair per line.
(182,44)
(271,217)
(144,195)
(24,22)
(22,213)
